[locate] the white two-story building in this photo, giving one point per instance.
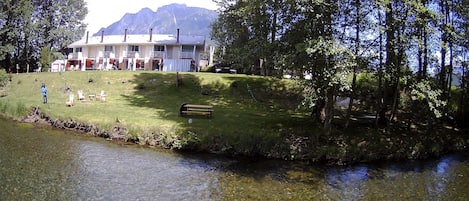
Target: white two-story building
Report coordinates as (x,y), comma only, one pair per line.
(170,53)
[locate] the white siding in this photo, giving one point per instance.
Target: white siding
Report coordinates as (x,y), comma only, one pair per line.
(177,65)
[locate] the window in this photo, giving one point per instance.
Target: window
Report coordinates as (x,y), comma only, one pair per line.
(109,48)
(133,48)
(78,49)
(187,48)
(158,48)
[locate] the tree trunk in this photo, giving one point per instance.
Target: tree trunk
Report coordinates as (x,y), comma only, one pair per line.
(380,116)
(329,110)
(450,72)
(420,53)
(397,76)
(357,61)
(462,98)
(425,52)
(443,48)
(390,57)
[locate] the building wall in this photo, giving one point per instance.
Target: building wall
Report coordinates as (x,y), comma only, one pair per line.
(171,62)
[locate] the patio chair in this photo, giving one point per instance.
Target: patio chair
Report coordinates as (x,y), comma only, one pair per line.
(69,102)
(102,96)
(81,97)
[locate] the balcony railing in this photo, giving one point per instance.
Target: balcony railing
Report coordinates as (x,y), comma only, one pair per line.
(186,55)
(75,55)
(131,54)
(159,54)
(109,54)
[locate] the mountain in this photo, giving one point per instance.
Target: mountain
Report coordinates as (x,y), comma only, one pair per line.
(166,20)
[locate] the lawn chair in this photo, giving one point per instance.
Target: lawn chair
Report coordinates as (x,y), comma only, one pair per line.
(69,102)
(81,97)
(102,96)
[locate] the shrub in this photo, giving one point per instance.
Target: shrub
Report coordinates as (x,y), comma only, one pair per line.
(21,109)
(188,141)
(3,107)
(3,78)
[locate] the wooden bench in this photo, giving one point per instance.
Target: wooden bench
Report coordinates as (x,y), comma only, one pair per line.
(190,109)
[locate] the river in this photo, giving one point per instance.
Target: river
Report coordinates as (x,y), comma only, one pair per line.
(48,164)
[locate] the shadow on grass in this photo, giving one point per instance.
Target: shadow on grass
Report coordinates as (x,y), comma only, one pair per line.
(159,91)
(252,115)
(240,102)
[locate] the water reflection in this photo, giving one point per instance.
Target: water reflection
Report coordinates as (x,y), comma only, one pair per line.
(347,182)
(39,164)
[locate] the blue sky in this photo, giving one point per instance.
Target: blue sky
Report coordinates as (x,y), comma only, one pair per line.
(102,13)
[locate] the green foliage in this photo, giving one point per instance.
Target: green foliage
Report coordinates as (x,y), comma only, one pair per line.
(29,27)
(428,97)
(4,78)
(187,141)
(454,103)
(367,82)
(21,109)
(245,30)
(328,75)
(3,107)
(46,58)
(316,37)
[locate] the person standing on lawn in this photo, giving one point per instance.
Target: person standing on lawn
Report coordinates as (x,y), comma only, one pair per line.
(44,93)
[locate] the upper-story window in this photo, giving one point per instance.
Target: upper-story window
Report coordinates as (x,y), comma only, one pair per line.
(158,48)
(133,48)
(78,49)
(109,48)
(187,48)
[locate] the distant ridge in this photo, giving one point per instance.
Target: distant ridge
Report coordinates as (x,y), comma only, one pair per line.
(166,20)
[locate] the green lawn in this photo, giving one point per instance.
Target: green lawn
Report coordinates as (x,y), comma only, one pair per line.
(253,116)
(251,112)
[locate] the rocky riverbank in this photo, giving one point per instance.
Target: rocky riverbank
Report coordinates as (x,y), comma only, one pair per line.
(117,133)
(339,148)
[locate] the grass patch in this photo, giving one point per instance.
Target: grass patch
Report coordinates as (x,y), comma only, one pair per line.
(250,111)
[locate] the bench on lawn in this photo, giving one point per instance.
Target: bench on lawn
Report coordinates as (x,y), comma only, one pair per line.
(190,109)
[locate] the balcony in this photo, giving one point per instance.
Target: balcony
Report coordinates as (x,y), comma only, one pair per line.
(186,55)
(132,54)
(75,55)
(109,54)
(159,54)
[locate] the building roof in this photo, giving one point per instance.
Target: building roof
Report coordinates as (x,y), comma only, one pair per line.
(142,39)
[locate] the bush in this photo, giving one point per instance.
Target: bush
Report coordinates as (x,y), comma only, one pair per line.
(21,109)
(187,141)
(3,78)
(210,69)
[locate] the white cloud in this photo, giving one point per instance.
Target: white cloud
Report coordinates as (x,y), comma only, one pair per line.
(102,13)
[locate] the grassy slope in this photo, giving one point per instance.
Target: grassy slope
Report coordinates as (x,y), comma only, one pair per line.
(148,102)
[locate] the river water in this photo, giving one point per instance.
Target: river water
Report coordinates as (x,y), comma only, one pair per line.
(45,164)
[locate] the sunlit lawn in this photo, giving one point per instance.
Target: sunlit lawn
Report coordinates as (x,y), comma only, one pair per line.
(149,102)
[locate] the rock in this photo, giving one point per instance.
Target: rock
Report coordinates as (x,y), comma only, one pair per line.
(118,132)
